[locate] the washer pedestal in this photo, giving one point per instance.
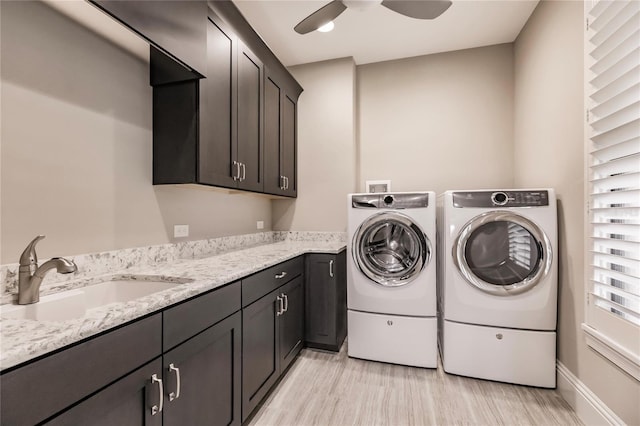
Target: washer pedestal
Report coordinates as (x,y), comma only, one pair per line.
(523,357)
(393,338)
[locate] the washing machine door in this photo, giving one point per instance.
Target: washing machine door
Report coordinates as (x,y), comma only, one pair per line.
(390,249)
(502,253)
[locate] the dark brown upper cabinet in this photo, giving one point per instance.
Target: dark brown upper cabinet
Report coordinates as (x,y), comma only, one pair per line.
(280,143)
(230,146)
(176,27)
(212,131)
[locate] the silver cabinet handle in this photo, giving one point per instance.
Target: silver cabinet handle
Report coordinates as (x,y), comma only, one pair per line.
(236,175)
(282,182)
(280,275)
(157,408)
(176,394)
(280,310)
(286,182)
(286,302)
(331,268)
(244,172)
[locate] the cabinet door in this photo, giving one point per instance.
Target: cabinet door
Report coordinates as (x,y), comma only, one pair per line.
(126,402)
(279,139)
(218,121)
(291,321)
(250,74)
(341,297)
(321,300)
(177,27)
(288,165)
(202,377)
(326,300)
(273,182)
(260,362)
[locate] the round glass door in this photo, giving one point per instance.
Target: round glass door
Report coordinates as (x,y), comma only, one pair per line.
(502,253)
(390,249)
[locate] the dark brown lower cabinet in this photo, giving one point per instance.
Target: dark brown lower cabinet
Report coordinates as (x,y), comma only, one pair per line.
(260,362)
(202,377)
(127,402)
(208,360)
(39,390)
(272,336)
(200,385)
(326,300)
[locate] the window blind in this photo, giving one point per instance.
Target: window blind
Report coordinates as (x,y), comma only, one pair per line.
(613,97)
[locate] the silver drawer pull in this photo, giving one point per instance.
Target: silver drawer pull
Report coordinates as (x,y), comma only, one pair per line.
(286,302)
(331,268)
(157,408)
(280,310)
(176,394)
(281,275)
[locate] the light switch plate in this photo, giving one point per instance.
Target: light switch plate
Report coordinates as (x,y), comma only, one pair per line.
(260,224)
(180,231)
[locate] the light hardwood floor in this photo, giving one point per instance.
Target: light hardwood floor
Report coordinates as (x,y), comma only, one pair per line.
(328,389)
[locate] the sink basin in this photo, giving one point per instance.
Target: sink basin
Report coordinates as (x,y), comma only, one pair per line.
(75,303)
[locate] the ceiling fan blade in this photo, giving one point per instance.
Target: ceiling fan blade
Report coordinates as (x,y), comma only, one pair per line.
(419,9)
(324,15)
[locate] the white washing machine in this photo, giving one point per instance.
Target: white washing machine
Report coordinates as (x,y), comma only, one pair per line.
(498,285)
(391,278)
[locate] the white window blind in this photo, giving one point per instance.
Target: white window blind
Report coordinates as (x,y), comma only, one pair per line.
(613,101)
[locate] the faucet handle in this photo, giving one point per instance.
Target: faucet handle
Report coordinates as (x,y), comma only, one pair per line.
(29,256)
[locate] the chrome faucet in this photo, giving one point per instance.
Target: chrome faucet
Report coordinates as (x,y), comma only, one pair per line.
(30,276)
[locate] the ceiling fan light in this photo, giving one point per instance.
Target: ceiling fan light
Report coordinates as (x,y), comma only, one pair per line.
(326,27)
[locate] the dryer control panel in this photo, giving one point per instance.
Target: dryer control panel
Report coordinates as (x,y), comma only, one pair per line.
(501,199)
(388,200)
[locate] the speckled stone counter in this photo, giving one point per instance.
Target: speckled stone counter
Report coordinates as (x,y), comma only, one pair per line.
(22,340)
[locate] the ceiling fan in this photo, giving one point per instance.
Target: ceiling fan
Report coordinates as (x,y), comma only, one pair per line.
(419,9)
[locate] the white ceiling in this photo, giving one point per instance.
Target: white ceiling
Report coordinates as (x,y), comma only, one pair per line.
(377,34)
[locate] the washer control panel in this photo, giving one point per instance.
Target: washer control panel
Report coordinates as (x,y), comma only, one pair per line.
(388,200)
(501,199)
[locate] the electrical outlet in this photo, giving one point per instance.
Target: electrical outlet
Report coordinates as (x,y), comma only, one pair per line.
(260,224)
(180,231)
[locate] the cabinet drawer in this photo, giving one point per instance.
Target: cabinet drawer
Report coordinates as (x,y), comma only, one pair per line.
(32,393)
(263,282)
(191,317)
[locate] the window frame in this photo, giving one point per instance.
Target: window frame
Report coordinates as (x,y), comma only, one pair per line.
(611,336)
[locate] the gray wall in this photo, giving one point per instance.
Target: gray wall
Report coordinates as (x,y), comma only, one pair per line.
(549,151)
(422,122)
(77,144)
(438,122)
(326,149)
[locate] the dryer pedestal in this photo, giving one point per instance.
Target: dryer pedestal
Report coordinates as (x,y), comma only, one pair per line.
(393,338)
(524,357)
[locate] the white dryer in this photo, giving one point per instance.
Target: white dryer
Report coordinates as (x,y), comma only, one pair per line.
(391,278)
(497,285)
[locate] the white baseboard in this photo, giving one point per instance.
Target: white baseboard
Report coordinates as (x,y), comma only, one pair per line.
(589,408)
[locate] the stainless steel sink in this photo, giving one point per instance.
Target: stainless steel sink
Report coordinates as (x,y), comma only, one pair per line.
(76,303)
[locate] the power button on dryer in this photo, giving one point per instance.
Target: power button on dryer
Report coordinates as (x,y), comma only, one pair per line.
(388,199)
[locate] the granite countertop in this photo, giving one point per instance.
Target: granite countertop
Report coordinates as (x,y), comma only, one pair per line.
(22,340)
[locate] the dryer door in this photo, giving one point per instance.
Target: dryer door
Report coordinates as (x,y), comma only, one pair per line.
(390,249)
(502,253)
